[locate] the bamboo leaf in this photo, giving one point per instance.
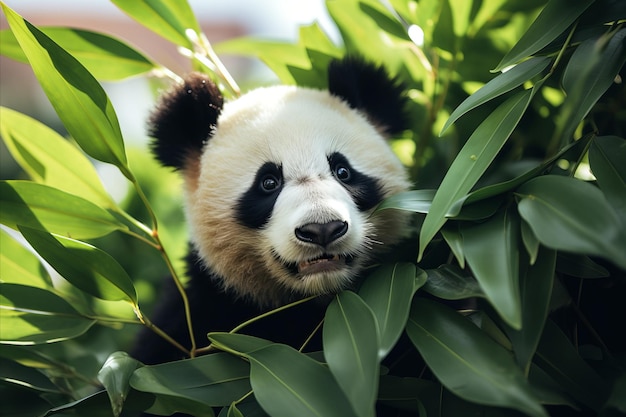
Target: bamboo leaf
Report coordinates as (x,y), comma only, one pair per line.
(501,84)
(33,316)
(104,56)
(572,215)
(21,266)
(449,282)
(472,161)
(115,375)
(72,91)
(43,154)
(44,208)
(167,18)
(467,361)
(418,201)
(351,351)
(553,20)
(606,157)
(491,250)
(84,265)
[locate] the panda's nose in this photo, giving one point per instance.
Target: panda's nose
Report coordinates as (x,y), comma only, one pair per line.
(322,233)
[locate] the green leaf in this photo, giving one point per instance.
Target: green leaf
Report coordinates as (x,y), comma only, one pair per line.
(276,377)
(21,266)
(351,351)
(579,266)
(115,375)
(591,71)
(167,18)
(215,380)
(472,161)
(553,20)
(536,290)
(25,377)
(44,208)
(491,250)
(454,240)
(104,56)
(560,359)
(449,282)
(531,243)
(32,316)
(388,291)
(572,215)
(467,361)
(98,405)
(501,84)
(606,157)
(43,154)
(84,265)
(410,394)
(418,201)
(72,91)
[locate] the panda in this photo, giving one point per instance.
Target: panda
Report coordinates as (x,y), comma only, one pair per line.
(280,185)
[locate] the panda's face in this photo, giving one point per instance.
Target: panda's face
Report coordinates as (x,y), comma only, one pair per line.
(281,202)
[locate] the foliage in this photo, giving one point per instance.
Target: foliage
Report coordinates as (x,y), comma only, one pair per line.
(514,103)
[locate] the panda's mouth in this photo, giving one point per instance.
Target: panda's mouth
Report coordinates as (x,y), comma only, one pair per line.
(324,263)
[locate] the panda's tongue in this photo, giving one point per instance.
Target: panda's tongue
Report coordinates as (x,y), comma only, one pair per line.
(318,263)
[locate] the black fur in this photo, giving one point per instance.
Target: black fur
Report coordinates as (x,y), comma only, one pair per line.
(365,190)
(184,120)
(255,206)
(369,88)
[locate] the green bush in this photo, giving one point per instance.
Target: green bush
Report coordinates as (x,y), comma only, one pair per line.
(518,124)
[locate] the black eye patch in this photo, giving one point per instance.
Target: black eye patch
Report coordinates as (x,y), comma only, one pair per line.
(365,190)
(255,206)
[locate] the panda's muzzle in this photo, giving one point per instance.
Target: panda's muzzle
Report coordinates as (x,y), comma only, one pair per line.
(321,234)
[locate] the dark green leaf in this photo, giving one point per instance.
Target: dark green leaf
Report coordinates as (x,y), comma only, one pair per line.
(606,157)
(579,266)
(43,154)
(167,18)
(617,400)
(388,291)
(215,380)
(468,362)
(531,243)
(572,215)
(84,265)
(44,208)
(451,283)
(472,161)
(115,375)
(453,238)
(32,315)
(240,344)
(560,359)
(491,250)
(501,84)
(351,351)
(536,290)
(106,57)
(21,266)
(72,91)
(555,18)
(25,377)
(410,394)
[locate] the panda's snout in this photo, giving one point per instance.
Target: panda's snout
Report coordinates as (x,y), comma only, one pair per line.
(321,234)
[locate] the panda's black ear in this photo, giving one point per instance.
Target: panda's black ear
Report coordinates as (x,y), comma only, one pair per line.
(369,88)
(184,119)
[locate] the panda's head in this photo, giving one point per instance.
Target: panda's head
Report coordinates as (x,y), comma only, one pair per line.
(281,182)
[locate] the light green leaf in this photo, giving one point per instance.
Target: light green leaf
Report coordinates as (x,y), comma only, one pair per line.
(572,215)
(115,375)
(44,208)
(84,265)
(215,380)
(44,155)
(492,252)
(104,56)
(501,84)
(351,351)
(388,291)
(553,20)
(21,266)
(472,161)
(33,316)
(606,157)
(560,359)
(467,361)
(167,18)
(418,201)
(80,102)
(536,290)
(449,282)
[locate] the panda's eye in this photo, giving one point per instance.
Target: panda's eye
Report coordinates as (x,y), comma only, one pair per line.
(342,173)
(269,183)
